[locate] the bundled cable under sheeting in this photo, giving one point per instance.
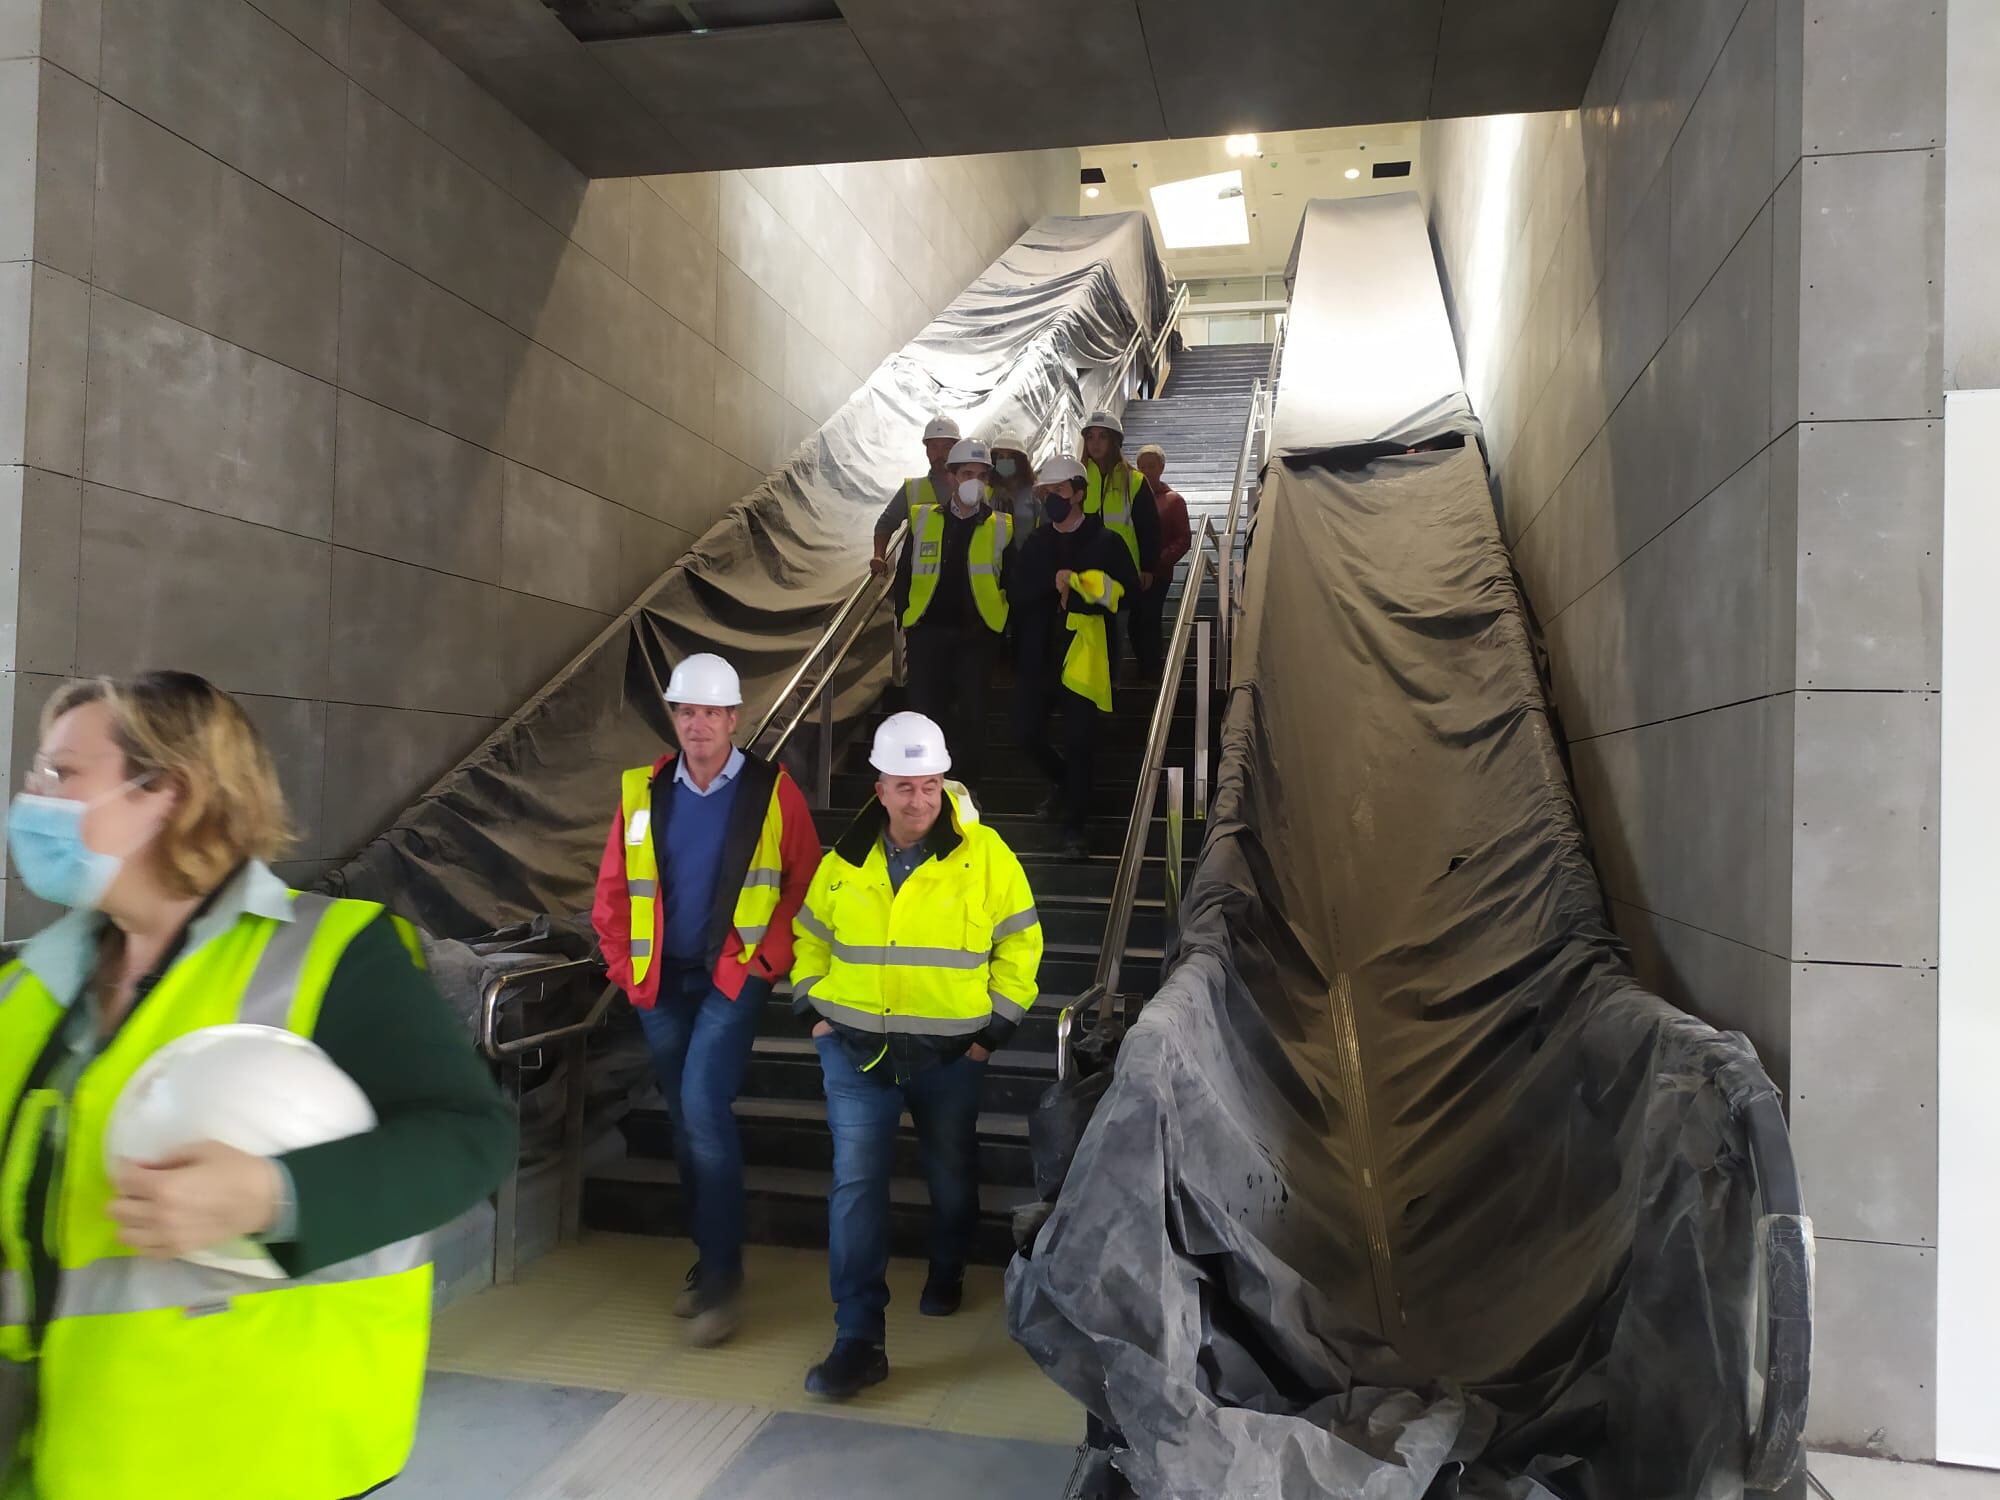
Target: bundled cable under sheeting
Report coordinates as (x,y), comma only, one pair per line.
(514,832)
(1402,1186)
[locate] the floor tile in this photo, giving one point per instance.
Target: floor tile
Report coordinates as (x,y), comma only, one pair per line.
(797,1455)
(479,1438)
(1871,1479)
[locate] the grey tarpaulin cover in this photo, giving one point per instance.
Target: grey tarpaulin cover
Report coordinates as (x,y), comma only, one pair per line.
(515,831)
(1369,361)
(1403,1187)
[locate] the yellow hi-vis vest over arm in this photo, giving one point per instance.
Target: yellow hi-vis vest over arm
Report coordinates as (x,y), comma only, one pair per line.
(755,901)
(143,1365)
(955,949)
(989,545)
(1115,501)
(1087,664)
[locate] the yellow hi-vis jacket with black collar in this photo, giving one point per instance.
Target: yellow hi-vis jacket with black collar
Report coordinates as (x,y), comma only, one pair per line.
(912,977)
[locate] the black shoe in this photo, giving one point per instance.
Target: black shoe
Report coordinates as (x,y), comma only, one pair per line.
(944,1292)
(1075,846)
(853,1366)
(1050,809)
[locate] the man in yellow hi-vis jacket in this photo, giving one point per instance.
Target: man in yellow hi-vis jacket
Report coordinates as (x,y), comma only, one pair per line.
(1067,583)
(917,949)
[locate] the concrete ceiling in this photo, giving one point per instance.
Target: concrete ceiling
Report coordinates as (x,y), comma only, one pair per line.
(1291,169)
(902,78)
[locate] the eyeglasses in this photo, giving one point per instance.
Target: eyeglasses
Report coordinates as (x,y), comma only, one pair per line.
(45,778)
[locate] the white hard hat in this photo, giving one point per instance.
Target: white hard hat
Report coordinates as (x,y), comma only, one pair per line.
(1010,440)
(706,679)
(260,1089)
(1062,469)
(1105,420)
(941,427)
(909,744)
(969,451)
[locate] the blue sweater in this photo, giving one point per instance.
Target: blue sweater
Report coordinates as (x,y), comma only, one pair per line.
(689,866)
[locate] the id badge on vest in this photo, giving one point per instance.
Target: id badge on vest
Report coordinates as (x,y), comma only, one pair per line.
(928,551)
(638,826)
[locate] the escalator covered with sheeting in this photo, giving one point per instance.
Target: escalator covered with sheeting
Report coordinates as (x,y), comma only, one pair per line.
(513,833)
(1402,1186)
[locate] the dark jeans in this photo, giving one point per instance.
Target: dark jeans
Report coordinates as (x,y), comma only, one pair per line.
(701,1040)
(1070,770)
(1147,624)
(951,681)
(864,1110)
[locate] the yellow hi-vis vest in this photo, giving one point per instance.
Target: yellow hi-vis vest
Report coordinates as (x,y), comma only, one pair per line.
(755,901)
(1115,501)
(1087,664)
(168,1380)
(989,544)
(957,945)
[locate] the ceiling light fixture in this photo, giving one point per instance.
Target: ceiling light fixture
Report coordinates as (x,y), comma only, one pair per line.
(1090,192)
(1351,173)
(1241,145)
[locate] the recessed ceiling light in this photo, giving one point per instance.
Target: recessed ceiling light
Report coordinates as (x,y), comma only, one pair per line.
(1199,211)
(1241,145)
(1351,173)
(1090,192)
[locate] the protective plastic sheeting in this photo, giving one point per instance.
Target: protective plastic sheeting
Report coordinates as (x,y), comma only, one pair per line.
(1402,1180)
(1369,360)
(514,832)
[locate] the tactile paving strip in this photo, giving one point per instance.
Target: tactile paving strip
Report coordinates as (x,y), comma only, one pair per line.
(598,1314)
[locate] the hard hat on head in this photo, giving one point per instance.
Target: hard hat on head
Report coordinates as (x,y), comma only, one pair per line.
(1009,440)
(1062,469)
(260,1089)
(941,427)
(908,744)
(1107,420)
(969,451)
(707,680)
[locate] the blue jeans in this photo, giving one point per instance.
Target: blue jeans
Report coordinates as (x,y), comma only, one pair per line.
(864,1110)
(701,1040)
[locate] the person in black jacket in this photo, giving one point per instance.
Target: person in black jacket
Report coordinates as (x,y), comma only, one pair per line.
(1041,584)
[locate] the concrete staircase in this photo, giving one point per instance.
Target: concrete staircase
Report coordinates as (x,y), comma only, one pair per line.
(787,1147)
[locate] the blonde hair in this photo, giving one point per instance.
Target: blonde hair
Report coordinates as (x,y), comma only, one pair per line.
(183,729)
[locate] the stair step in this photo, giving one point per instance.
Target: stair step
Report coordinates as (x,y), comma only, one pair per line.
(787,1067)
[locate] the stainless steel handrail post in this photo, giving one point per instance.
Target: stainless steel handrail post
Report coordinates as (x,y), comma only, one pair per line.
(1201,685)
(826,741)
(1176,853)
(1228,548)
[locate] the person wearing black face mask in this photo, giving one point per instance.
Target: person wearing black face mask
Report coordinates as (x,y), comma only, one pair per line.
(1060,575)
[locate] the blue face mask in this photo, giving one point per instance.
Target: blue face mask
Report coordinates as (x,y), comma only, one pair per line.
(45,838)
(1005,467)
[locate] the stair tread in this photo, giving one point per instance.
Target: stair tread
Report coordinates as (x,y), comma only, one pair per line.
(995,1199)
(999,1125)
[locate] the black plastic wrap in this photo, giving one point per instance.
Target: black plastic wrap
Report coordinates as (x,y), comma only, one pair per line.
(514,831)
(1402,1187)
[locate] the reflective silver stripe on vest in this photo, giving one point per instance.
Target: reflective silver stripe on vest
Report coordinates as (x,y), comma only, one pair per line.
(814,925)
(981,570)
(910,958)
(1021,921)
(13,1299)
(641,948)
(642,890)
(763,877)
(875,1021)
(750,935)
(133,1284)
(274,983)
(1005,1009)
(802,988)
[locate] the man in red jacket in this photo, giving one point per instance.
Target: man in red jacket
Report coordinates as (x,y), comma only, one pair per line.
(1149,614)
(708,861)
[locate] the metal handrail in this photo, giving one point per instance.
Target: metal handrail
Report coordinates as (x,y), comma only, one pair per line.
(861,590)
(1226,562)
(1781,1372)
(1125,890)
(490,1006)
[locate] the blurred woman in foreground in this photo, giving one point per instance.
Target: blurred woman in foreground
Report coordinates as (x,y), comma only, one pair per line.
(124,1369)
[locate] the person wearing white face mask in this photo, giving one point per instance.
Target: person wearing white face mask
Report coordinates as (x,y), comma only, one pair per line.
(150,812)
(951,599)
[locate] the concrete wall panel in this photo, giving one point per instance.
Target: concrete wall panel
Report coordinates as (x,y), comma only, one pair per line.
(186,236)
(147,589)
(1874,77)
(1874,1348)
(1721,166)
(410,492)
(64,157)
(374,756)
(39,617)
(184,416)
(674,263)
(294,729)
(58,359)
(1736,987)
(1864,1100)
(231,80)
(406,637)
